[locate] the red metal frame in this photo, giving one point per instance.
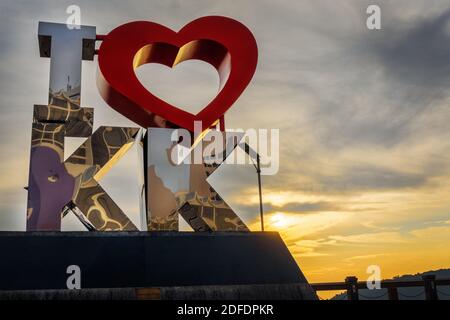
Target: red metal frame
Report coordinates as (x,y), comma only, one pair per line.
(223,42)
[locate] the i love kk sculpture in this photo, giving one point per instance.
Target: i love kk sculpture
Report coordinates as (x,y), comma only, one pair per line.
(57,187)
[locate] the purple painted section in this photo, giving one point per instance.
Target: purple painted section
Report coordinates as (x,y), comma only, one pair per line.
(52,188)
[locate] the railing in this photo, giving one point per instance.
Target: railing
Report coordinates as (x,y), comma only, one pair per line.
(352,286)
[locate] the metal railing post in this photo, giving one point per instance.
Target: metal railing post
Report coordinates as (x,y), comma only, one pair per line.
(393,293)
(352,288)
(430,287)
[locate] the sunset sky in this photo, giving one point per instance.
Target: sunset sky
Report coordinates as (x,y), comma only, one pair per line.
(364,119)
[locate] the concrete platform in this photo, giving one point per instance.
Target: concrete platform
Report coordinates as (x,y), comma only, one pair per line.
(178,265)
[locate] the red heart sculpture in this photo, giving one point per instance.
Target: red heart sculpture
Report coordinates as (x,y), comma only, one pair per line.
(223,42)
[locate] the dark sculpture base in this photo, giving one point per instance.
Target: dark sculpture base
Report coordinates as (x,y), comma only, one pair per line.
(159,265)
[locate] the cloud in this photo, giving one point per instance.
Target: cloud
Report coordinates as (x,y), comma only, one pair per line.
(370,238)
(370,177)
(323,246)
(437,233)
(378,238)
(418,54)
(306,207)
(372,225)
(293,207)
(365,257)
(294,227)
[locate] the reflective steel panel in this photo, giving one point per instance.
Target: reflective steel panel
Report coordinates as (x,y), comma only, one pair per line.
(174,189)
(87,165)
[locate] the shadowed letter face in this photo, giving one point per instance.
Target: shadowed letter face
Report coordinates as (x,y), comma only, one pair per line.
(50,179)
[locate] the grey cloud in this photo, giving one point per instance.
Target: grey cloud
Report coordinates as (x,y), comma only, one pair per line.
(419,54)
(308,207)
(292,207)
(337,87)
(366,177)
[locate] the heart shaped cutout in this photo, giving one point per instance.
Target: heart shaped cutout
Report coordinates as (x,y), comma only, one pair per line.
(190,85)
(222,42)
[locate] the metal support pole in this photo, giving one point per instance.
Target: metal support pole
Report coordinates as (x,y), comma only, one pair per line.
(258,170)
(253,154)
